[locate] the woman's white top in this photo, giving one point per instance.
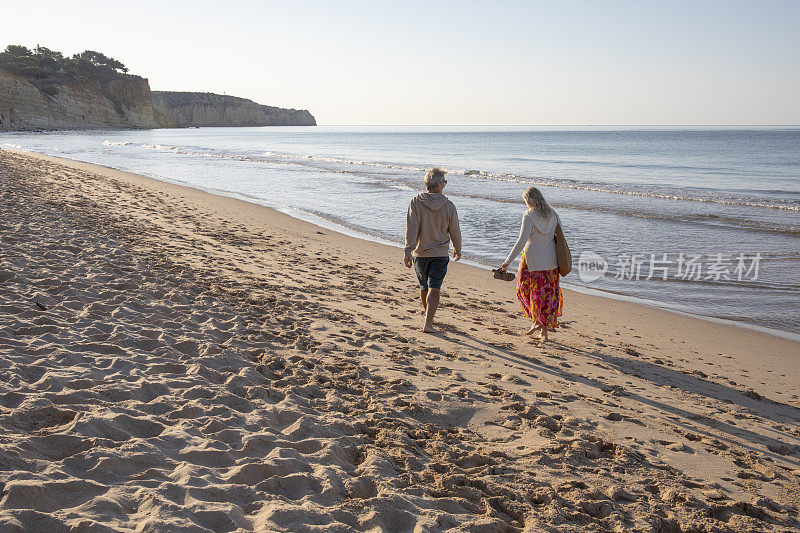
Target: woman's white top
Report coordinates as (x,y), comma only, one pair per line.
(536,238)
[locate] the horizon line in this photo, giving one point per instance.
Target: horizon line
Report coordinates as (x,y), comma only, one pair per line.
(585,125)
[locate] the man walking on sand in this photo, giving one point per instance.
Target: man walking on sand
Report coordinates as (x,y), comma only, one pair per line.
(431,223)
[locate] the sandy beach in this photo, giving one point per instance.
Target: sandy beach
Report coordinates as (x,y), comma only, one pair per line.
(173,360)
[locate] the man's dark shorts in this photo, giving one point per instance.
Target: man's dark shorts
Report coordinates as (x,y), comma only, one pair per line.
(430,271)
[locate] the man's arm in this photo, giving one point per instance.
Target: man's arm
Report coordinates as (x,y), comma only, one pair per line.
(412,233)
(455,234)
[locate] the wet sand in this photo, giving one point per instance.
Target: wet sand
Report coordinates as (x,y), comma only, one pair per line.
(175,360)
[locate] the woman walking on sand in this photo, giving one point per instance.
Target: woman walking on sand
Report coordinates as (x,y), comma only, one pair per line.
(538,287)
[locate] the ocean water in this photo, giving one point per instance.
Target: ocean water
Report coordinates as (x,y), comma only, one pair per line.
(704,221)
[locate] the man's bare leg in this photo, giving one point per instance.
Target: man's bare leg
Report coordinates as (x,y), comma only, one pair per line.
(423,295)
(432,305)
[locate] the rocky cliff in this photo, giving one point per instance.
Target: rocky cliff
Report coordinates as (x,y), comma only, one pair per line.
(183,109)
(120,103)
(127,103)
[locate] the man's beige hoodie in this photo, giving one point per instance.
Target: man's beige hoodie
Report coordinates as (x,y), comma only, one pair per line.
(431,223)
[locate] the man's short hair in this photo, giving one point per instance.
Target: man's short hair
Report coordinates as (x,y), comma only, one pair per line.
(434,176)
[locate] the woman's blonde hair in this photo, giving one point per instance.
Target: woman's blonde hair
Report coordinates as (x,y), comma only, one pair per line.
(535,201)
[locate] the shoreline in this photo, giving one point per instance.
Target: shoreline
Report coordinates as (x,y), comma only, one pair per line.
(599,293)
(323,223)
(175,359)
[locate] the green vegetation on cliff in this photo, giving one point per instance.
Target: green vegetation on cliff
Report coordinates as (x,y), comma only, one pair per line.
(47,69)
(41,89)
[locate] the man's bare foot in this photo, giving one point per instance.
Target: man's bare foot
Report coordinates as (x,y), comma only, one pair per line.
(429,329)
(534,329)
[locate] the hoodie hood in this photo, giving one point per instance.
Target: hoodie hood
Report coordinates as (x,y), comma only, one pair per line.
(545,225)
(433,200)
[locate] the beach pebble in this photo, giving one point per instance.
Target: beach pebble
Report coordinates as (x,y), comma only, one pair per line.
(614,417)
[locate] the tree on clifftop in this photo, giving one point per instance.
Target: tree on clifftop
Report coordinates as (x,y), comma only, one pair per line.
(21,61)
(93,63)
(47,69)
(48,60)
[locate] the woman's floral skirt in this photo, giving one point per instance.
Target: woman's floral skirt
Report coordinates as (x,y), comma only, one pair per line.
(539,293)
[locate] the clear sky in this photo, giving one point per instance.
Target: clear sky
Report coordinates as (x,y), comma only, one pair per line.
(565,62)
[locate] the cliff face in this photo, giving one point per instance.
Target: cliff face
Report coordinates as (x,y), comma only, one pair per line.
(121,103)
(127,103)
(184,109)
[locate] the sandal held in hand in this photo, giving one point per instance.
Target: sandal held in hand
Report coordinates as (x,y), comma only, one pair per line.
(503,274)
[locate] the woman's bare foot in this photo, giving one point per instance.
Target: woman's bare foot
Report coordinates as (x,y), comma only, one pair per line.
(534,329)
(429,329)
(542,333)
